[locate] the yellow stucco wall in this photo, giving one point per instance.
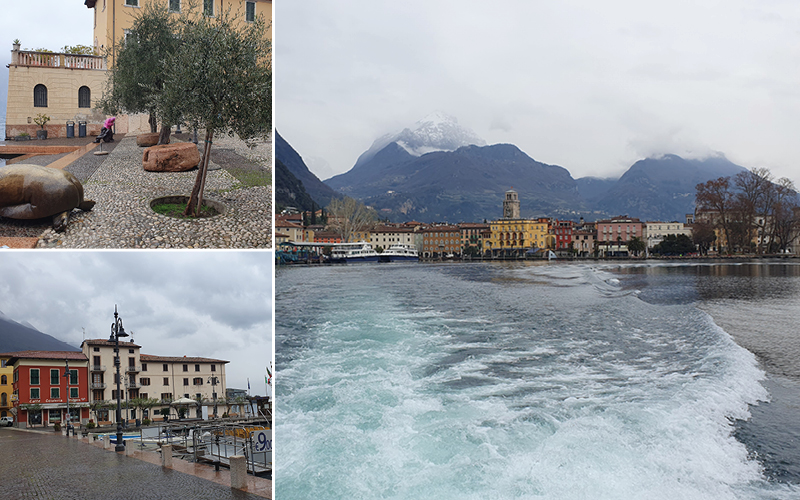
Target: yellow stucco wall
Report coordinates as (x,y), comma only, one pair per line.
(113,17)
(62,99)
(534,234)
(7,388)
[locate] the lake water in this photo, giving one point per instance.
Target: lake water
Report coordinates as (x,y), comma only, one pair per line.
(484,381)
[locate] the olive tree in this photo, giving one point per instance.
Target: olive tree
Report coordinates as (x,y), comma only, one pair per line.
(137,76)
(220,79)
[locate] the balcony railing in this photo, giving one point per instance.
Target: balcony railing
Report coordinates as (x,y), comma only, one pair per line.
(57,60)
(98,385)
(133,385)
(98,368)
(133,369)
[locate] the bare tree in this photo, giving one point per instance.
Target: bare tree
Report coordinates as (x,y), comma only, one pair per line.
(716,196)
(348,217)
(786,215)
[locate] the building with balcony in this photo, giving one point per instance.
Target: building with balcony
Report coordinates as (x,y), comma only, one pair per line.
(168,378)
(614,234)
(65,87)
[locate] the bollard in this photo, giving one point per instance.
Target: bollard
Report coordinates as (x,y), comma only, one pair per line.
(166,455)
(129,450)
(106,441)
(238,472)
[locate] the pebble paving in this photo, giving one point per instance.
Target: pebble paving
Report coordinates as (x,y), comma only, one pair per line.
(122,217)
(46,466)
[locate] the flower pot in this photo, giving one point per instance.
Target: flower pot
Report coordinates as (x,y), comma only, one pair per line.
(22,138)
(41,134)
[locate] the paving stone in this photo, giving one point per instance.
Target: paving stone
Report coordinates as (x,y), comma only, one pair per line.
(46,466)
(122,217)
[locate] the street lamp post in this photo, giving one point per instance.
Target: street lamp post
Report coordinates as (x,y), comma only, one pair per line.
(213,381)
(66,376)
(118,331)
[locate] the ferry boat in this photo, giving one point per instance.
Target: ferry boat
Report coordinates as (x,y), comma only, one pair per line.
(397,253)
(353,252)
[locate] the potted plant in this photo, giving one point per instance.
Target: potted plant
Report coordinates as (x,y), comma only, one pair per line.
(57,427)
(24,136)
(16,44)
(41,120)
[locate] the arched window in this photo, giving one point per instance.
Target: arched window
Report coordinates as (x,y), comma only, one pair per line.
(84,97)
(40,96)
(4,380)
(4,399)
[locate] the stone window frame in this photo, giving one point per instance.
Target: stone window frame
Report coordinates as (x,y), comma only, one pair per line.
(40,96)
(55,393)
(38,393)
(250,11)
(84,97)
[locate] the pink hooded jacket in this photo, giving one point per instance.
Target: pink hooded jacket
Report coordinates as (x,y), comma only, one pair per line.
(109,122)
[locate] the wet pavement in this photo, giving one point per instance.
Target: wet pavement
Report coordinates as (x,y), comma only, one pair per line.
(43,465)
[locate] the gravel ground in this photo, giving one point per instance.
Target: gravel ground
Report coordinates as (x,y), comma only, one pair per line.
(122,217)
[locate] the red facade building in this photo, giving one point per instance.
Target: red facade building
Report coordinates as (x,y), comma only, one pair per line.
(42,389)
(562,233)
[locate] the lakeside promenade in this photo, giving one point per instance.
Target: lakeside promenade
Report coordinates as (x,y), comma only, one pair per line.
(49,465)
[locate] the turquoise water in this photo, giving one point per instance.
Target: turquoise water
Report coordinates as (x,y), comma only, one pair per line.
(482,381)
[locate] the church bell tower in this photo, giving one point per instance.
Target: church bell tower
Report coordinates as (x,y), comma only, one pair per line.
(511,205)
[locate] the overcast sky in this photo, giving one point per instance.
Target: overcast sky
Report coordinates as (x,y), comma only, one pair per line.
(215,304)
(591,86)
(47,24)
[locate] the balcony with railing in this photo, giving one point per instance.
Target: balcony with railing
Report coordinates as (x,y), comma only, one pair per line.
(133,369)
(98,385)
(133,385)
(98,368)
(30,58)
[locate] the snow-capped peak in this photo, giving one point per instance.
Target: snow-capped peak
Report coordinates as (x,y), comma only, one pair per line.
(438,131)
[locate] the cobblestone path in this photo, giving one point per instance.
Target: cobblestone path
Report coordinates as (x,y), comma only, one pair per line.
(42,466)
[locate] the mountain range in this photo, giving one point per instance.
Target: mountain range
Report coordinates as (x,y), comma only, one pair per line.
(440,171)
(22,336)
(289,192)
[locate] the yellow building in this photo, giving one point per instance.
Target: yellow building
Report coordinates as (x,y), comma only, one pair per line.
(6,386)
(64,87)
(518,234)
(113,18)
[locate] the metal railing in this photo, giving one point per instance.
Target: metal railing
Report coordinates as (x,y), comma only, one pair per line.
(215,442)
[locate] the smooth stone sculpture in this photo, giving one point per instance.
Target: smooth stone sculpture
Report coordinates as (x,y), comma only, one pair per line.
(178,157)
(147,140)
(33,192)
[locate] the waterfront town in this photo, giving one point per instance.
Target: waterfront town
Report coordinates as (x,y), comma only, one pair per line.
(35,390)
(701,233)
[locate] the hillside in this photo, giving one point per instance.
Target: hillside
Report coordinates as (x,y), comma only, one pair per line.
(16,336)
(291,160)
(462,185)
(662,188)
